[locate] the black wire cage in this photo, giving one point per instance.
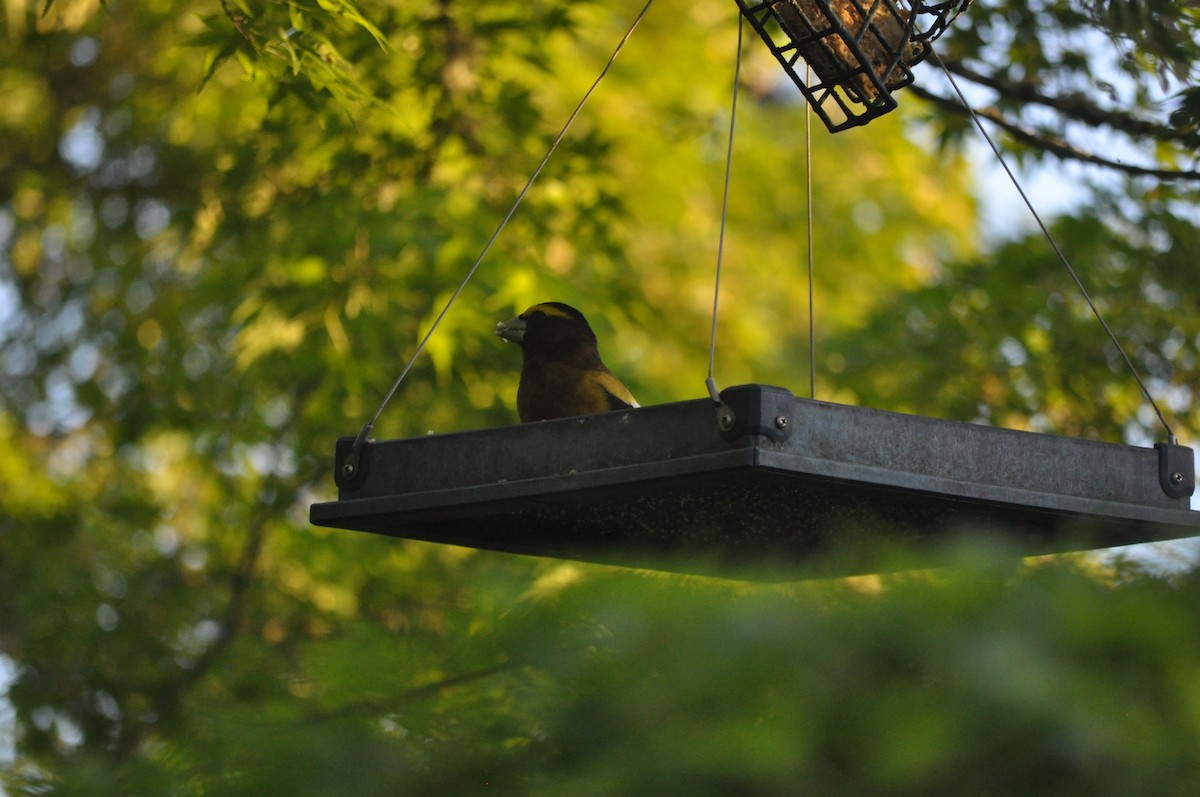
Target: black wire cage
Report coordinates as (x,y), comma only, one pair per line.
(859,51)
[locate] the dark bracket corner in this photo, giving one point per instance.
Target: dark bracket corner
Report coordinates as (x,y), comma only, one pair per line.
(349,469)
(755,409)
(1176,470)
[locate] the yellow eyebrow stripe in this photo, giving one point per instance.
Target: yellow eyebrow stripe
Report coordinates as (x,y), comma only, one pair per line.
(547,309)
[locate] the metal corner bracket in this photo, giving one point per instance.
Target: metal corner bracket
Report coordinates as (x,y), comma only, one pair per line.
(755,410)
(1176,469)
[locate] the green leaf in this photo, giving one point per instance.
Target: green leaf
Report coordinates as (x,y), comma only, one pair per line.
(214,59)
(350,10)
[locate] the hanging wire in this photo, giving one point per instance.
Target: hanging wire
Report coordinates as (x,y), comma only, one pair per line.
(711,382)
(351,463)
(808,191)
(1054,245)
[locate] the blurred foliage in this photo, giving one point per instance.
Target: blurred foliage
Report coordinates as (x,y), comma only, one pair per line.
(1037,359)
(224,225)
(1097,80)
(981,678)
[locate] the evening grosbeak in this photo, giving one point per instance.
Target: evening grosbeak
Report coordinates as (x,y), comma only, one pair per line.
(561,371)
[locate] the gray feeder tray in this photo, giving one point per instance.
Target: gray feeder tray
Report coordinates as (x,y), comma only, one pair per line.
(765,485)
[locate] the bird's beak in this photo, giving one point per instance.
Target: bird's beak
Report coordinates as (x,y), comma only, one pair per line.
(513,330)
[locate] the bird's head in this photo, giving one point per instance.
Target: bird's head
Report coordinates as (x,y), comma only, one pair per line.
(549,326)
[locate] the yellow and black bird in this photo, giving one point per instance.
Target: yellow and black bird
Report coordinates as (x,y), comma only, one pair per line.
(562,374)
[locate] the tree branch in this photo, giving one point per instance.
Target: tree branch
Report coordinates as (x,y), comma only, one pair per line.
(1075,107)
(418,692)
(1058,147)
(240,23)
(462,679)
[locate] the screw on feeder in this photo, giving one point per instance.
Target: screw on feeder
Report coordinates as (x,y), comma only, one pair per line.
(781,422)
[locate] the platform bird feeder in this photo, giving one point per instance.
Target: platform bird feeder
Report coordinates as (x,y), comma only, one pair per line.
(859,51)
(762,486)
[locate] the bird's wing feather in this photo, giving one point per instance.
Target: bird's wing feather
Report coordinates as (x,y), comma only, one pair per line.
(619,397)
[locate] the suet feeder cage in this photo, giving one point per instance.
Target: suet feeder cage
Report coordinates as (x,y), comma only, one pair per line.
(764,485)
(859,51)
